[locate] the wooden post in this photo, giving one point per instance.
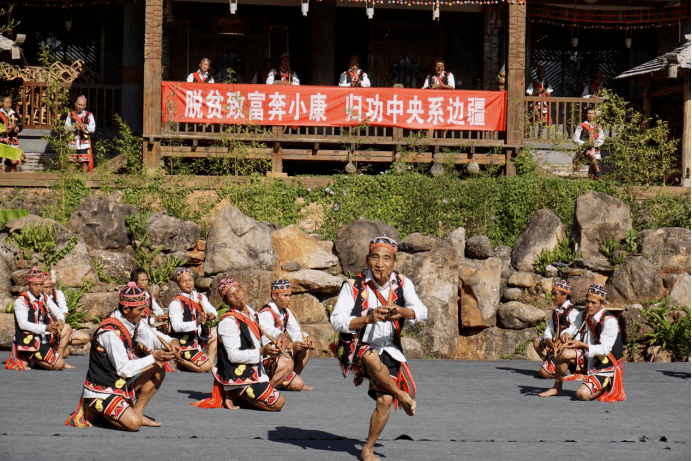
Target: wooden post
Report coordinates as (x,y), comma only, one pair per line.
(685,182)
(516,70)
(153,31)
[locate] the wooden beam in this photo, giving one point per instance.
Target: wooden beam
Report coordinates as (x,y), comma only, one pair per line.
(686,121)
(516,73)
(153,43)
(666,90)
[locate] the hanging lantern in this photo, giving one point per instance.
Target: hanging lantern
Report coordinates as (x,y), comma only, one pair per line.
(234,6)
(305,6)
(575,37)
(628,38)
(436,10)
(370,8)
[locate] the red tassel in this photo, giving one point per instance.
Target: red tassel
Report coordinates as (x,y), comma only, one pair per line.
(170,367)
(78,418)
(216,399)
(14,362)
(616,392)
(406,383)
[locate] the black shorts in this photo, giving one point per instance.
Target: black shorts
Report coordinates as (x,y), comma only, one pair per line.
(393,367)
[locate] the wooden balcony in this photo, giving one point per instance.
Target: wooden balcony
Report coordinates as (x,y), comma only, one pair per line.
(554,119)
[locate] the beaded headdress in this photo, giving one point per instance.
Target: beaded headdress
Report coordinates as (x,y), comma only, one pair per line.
(133,296)
(598,291)
(227,284)
(384,241)
(563,286)
(281,286)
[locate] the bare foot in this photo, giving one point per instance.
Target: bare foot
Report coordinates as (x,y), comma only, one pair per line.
(368,455)
(148,422)
(409,406)
(230,404)
(550,393)
(68,367)
(306,387)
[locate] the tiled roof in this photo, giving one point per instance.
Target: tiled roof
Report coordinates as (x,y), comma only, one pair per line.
(661,62)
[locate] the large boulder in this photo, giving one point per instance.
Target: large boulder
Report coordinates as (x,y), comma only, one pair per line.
(491,343)
(237,242)
(543,231)
(412,348)
(352,242)
(680,290)
(457,239)
(633,324)
(668,249)
(635,280)
(324,335)
(480,293)
(6,329)
(308,309)
(115,264)
(517,316)
(580,281)
(172,233)
(311,281)
(5,276)
(7,252)
(435,277)
(417,242)
(479,247)
(598,216)
(75,266)
(101,222)
(257,286)
(294,245)
(99,305)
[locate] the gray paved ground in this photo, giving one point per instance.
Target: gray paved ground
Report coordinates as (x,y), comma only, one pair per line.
(466,410)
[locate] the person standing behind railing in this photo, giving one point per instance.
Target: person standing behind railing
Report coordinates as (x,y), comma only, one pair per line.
(10,126)
(283,75)
(589,137)
(201,75)
(539,112)
(82,123)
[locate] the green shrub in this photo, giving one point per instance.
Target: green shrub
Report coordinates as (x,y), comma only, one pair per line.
(673,336)
(10,214)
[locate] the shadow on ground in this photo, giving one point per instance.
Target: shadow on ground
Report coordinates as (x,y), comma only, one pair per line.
(316,440)
(676,374)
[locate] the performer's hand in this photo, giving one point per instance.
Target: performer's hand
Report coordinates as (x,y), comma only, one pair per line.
(269,349)
(209,316)
(163,356)
(300,346)
(283,341)
(175,345)
(380,314)
(311,343)
(395,312)
(201,319)
(52,327)
(566,337)
(573,344)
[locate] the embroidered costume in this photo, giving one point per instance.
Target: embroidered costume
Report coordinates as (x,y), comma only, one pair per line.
(589,131)
(592,90)
(9,141)
(565,319)
(199,77)
(359,295)
(539,110)
(350,76)
(284,75)
(435,79)
(183,312)
(81,141)
(239,365)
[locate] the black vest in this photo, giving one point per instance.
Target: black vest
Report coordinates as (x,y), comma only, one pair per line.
(444,79)
(228,372)
(616,351)
(102,375)
(348,76)
(38,313)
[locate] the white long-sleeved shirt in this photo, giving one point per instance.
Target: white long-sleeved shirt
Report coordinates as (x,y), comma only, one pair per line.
(70,125)
(608,337)
(127,368)
(156,310)
(450,80)
(530,89)
(175,312)
(54,308)
(598,142)
(575,319)
(270,78)
(364,80)
(292,326)
(21,313)
(229,334)
(191,77)
(379,335)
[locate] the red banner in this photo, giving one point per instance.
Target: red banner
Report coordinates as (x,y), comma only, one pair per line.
(333,106)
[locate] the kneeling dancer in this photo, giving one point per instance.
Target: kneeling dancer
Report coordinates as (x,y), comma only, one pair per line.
(602,345)
(188,312)
(562,326)
(116,377)
(239,375)
(369,315)
(285,371)
(40,337)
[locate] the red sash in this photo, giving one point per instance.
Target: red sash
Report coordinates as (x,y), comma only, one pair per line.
(251,324)
(398,324)
(119,325)
(199,79)
(592,130)
(86,119)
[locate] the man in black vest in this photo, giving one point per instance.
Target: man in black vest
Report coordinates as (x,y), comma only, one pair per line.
(239,375)
(599,353)
(123,368)
(441,79)
(369,314)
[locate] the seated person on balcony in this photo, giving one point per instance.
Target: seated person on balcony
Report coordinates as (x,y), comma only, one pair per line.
(283,75)
(262,74)
(589,137)
(595,88)
(201,75)
(354,76)
(10,126)
(441,79)
(539,87)
(83,124)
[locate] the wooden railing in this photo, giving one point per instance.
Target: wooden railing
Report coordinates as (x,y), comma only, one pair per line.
(104,101)
(555,119)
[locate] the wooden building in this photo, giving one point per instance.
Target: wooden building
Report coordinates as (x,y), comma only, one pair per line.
(492,46)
